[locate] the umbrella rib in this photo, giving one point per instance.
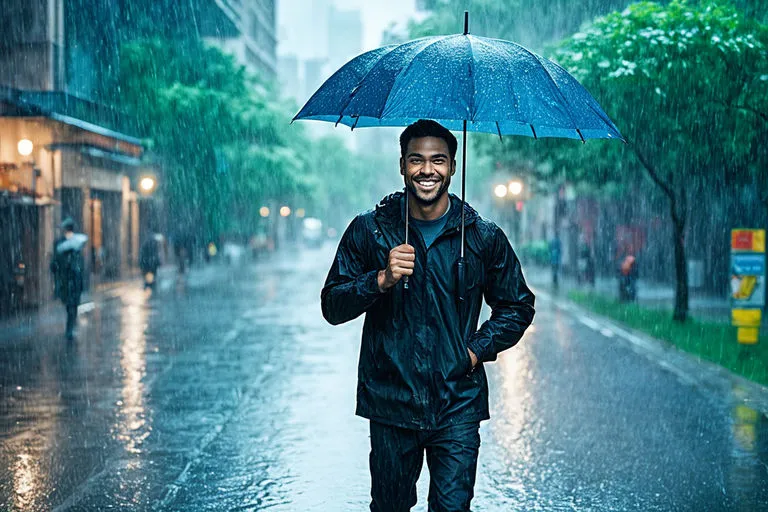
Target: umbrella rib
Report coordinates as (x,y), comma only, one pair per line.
(533,130)
(378,58)
(472,75)
(403,71)
(498,129)
(357,86)
(551,79)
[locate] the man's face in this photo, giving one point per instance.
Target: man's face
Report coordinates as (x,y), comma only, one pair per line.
(427,168)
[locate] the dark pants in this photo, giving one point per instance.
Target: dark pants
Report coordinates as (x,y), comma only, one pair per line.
(71,319)
(396,458)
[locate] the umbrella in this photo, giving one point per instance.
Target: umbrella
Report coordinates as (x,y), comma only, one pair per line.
(466,83)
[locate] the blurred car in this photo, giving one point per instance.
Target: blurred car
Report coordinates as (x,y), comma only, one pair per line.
(233,253)
(312,232)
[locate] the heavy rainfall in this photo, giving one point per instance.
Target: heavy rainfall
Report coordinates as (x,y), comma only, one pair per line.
(179,230)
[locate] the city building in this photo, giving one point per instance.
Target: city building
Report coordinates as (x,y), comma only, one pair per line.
(251,37)
(60,155)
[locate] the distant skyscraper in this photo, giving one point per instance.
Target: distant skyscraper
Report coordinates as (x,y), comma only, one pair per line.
(345,36)
(288,76)
(255,43)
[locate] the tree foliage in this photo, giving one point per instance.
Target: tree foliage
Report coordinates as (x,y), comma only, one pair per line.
(224,141)
(688,86)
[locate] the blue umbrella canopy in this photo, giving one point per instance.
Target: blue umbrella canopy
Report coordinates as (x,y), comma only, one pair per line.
(466,83)
(496,86)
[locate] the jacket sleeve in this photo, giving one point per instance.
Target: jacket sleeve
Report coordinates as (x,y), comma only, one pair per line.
(351,287)
(510,300)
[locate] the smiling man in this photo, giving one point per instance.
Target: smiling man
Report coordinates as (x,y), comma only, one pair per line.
(421,376)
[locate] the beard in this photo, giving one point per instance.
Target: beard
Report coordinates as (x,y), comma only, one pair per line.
(428,198)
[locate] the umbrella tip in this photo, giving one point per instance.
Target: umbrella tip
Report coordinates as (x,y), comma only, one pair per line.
(466,22)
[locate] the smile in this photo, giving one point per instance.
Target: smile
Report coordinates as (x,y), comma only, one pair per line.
(427,185)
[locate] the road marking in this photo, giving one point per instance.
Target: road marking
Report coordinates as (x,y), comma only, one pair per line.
(589,323)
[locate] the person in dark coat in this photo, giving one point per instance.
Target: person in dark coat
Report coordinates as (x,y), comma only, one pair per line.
(149,260)
(67,266)
(421,377)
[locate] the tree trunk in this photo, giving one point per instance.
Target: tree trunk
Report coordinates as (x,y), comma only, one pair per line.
(678,215)
(681,268)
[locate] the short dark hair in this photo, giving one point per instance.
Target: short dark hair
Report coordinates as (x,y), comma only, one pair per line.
(428,128)
(68,224)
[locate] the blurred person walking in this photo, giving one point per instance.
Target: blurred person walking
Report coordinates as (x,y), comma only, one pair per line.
(555,258)
(149,260)
(421,380)
(67,266)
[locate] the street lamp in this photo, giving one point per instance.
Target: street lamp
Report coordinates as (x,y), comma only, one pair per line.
(500,191)
(300,213)
(25,147)
(147,184)
(515,187)
(264,211)
(285,211)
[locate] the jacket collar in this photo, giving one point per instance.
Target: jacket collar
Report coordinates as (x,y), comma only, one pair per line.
(391,210)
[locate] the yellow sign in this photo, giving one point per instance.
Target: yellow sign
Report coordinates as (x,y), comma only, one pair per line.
(747,335)
(746,317)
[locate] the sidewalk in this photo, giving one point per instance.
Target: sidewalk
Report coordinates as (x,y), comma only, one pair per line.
(702,306)
(52,313)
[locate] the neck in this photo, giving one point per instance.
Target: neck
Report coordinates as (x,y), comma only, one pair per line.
(68,234)
(432,211)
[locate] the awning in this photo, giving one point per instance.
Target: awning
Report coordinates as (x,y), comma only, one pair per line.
(71,110)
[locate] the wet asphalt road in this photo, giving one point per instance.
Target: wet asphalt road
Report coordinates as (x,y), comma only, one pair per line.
(230,392)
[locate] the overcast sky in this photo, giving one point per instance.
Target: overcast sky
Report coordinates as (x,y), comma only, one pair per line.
(299,28)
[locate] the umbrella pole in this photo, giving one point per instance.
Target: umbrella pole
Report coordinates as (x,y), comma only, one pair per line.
(460,269)
(463,182)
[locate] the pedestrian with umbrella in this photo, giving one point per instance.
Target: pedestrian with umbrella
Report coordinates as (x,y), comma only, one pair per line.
(67,266)
(420,264)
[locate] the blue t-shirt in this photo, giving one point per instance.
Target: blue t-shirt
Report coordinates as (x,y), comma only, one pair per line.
(429,229)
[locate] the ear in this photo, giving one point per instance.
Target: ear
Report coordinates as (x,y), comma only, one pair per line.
(453,167)
(402,166)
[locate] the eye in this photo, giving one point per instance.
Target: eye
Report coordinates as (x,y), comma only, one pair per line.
(415,160)
(439,161)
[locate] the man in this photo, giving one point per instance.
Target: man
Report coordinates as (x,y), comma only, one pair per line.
(421,380)
(67,267)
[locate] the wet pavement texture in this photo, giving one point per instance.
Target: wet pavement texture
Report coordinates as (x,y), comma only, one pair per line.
(228,391)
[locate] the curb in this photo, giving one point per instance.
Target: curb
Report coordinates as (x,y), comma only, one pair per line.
(689,368)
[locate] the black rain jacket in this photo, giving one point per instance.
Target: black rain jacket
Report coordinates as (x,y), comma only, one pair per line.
(414,370)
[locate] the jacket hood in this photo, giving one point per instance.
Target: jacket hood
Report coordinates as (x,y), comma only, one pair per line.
(73,243)
(391,209)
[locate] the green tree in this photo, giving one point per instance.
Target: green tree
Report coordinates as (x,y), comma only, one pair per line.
(222,139)
(688,86)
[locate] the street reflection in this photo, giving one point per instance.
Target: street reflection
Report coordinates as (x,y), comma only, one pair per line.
(749,454)
(132,427)
(26,481)
(512,429)
(30,470)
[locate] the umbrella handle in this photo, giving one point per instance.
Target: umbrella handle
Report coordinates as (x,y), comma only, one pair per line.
(407,216)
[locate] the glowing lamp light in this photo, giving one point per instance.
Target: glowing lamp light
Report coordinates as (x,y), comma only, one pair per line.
(285,211)
(25,147)
(264,211)
(515,188)
(147,184)
(500,191)
(300,213)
